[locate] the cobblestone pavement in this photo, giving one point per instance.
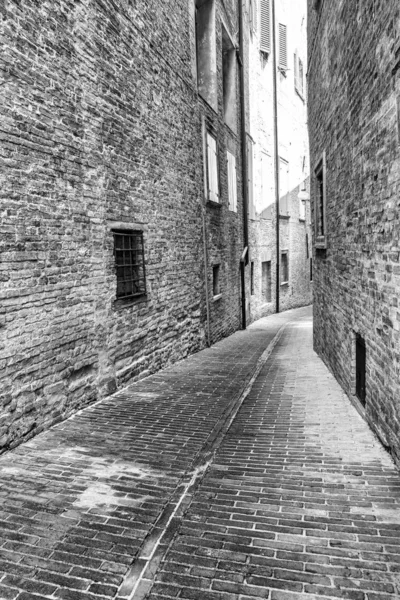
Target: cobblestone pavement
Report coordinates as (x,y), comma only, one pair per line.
(85,506)
(241,472)
(300,501)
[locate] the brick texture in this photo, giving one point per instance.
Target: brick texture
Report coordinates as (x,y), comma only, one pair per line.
(354,86)
(101,123)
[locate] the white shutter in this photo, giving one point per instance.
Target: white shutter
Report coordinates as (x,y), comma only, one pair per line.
(282,47)
(232,181)
(301,77)
(212,169)
(265,26)
(254,17)
(295,70)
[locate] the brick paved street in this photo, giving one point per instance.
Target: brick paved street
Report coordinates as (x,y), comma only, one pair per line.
(242,472)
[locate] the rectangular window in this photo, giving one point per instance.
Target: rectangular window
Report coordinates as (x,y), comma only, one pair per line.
(250,180)
(206,51)
(284,195)
(252,278)
(216,286)
(232,181)
(360,369)
(284,267)
(307,250)
(129,263)
(253,15)
(282,58)
(229,80)
(311,270)
(320,203)
(212,168)
(265,26)
(266,281)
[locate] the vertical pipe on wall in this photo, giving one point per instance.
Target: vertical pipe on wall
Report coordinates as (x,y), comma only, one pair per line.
(276,157)
(244,161)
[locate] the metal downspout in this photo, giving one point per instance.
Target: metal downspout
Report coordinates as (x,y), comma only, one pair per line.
(276,158)
(245,257)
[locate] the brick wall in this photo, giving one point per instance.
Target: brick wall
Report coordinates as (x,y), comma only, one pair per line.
(101,124)
(354,84)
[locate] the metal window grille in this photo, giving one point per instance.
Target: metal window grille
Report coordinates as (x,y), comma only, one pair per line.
(129,264)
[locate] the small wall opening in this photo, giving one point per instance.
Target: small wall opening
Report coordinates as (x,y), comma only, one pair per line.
(216,286)
(360,369)
(206,52)
(266,281)
(229,80)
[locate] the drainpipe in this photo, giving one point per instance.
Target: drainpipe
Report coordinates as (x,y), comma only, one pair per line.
(276,158)
(245,256)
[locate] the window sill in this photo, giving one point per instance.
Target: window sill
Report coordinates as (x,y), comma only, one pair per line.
(120,303)
(285,284)
(217,297)
(284,217)
(302,220)
(213,204)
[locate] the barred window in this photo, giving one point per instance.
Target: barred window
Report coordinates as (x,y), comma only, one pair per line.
(129,263)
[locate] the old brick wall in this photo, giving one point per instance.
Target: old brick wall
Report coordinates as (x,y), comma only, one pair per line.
(354,86)
(101,125)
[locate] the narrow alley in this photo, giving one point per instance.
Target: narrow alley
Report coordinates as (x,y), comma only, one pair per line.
(241,472)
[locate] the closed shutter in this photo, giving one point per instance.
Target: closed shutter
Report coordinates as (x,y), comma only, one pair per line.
(301,77)
(295,70)
(254,17)
(232,181)
(265,26)
(212,169)
(250,184)
(282,47)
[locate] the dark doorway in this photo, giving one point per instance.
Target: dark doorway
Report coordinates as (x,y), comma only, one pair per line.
(360,369)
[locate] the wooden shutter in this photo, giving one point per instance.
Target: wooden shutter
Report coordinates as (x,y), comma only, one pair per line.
(250,184)
(212,169)
(265,26)
(295,71)
(301,77)
(232,181)
(282,47)
(254,17)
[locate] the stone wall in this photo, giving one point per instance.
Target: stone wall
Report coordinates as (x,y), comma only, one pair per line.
(354,86)
(102,127)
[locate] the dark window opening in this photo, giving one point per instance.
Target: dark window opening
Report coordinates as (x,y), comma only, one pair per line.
(129,264)
(229,80)
(252,278)
(266,282)
(284,267)
(320,203)
(307,248)
(311,270)
(216,286)
(206,51)
(360,369)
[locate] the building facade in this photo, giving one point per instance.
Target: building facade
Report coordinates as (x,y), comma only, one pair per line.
(354,119)
(294,267)
(121,196)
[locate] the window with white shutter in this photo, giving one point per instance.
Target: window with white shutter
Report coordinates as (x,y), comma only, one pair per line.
(265,26)
(295,71)
(212,168)
(282,58)
(232,181)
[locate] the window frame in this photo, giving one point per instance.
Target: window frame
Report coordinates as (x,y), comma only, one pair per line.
(140,265)
(232,180)
(284,270)
(320,220)
(216,281)
(217,192)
